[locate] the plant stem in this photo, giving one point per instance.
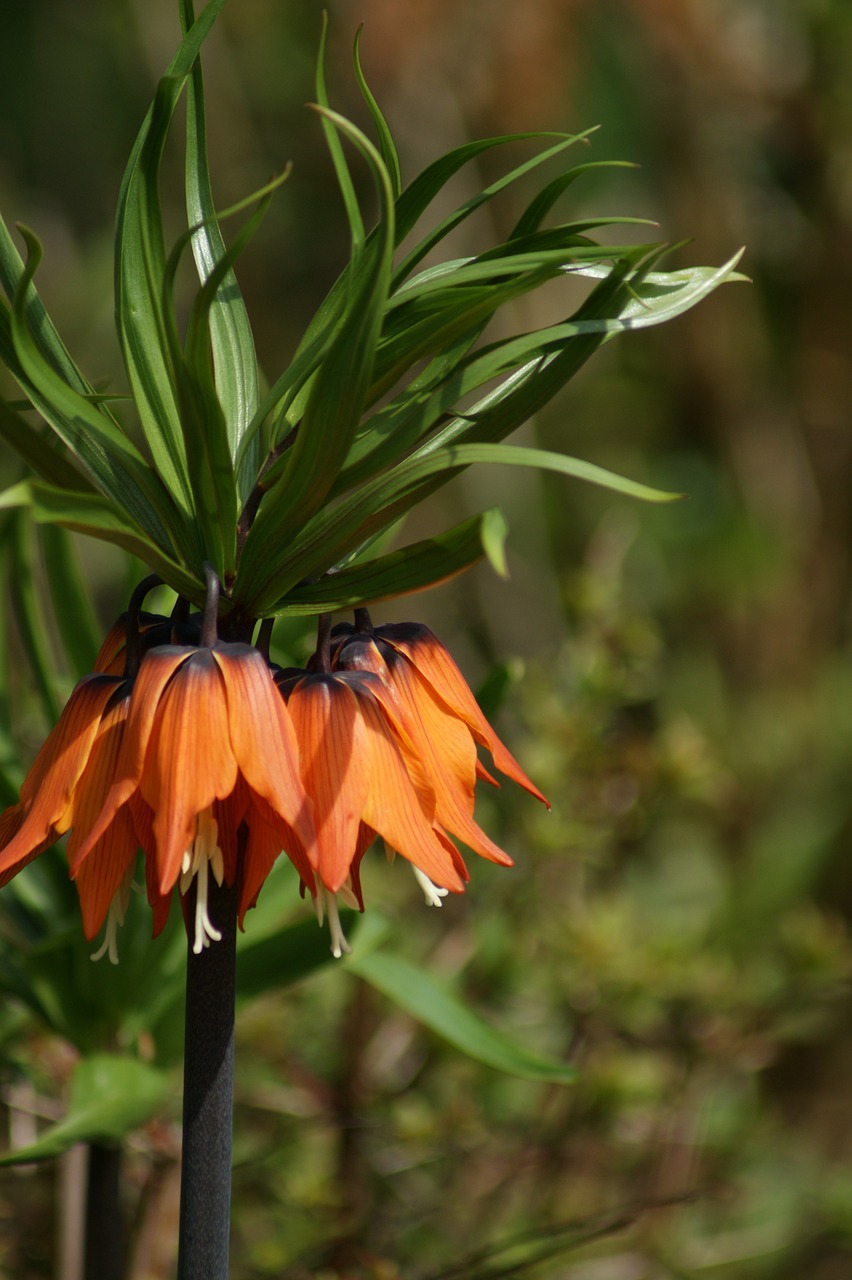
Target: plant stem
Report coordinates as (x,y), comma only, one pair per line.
(104,1245)
(205,1198)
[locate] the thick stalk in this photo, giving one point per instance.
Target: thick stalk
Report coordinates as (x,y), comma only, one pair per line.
(205,1197)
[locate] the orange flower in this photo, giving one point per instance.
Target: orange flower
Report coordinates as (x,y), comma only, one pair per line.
(207,747)
(66,780)
(354,771)
(438,721)
(430,669)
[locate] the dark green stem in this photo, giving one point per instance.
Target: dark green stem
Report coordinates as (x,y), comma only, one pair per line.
(104,1247)
(209,618)
(205,1196)
(321,660)
(133,642)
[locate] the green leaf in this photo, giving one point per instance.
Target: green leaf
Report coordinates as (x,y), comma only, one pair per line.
(143,320)
(659,296)
(420,193)
(50,345)
(110,1096)
(329,537)
(440,1009)
(99,518)
(335,147)
(40,452)
(234,359)
(75,616)
(387,146)
(115,465)
(541,204)
(30,615)
(336,400)
(412,568)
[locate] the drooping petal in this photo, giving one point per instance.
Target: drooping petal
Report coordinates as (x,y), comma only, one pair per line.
(48,787)
(432,660)
(87,802)
(433,741)
(103,872)
(153,629)
(392,806)
(335,768)
(10,824)
(189,762)
(269,837)
(262,736)
(154,674)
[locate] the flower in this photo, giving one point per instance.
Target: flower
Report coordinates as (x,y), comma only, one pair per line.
(354,771)
(436,666)
(208,771)
(66,782)
(438,722)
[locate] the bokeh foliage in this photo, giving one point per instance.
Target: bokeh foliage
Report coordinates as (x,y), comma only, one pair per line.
(678,928)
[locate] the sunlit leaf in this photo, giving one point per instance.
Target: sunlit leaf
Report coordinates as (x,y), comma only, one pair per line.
(430,1002)
(234,359)
(110,1096)
(98,518)
(412,568)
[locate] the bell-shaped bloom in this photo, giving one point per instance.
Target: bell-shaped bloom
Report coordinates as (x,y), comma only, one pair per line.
(438,723)
(354,771)
(67,775)
(208,770)
(435,664)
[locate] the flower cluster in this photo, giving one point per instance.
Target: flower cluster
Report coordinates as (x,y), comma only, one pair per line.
(212,761)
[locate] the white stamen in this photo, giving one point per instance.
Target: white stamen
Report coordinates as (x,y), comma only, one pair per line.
(433,893)
(115,917)
(325,904)
(347,896)
(199,858)
(109,946)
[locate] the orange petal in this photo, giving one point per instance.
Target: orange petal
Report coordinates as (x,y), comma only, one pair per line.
(156,670)
(325,716)
(393,808)
(229,813)
(48,787)
(432,660)
(189,762)
(87,802)
(143,824)
(101,874)
(10,824)
(266,841)
(436,745)
(262,736)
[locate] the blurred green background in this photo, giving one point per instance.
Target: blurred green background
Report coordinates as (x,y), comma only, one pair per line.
(678,680)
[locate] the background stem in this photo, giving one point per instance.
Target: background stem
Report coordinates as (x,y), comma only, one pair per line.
(205,1200)
(104,1243)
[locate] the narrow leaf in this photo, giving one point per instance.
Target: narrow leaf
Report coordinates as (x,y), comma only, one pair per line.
(337,399)
(141,320)
(234,359)
(75,616)
(30,615)
(387,147)
(412,568)
(335,147)
(115,465)
(97,517)
(438,1008)
(40,452)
